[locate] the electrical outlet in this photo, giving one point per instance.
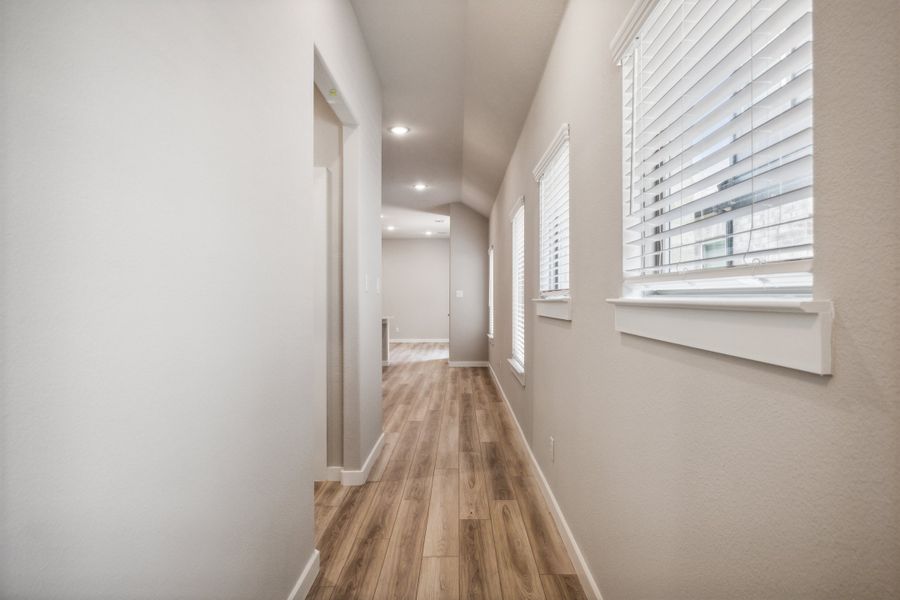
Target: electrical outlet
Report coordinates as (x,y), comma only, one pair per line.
(459,293)
(552,449)
(396,330)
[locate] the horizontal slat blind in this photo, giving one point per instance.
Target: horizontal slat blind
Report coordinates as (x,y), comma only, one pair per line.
(491,291)
(518,287)
(554,262)
(717,136)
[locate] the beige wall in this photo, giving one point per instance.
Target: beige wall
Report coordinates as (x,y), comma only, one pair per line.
(468,274)
(416,287)
(691,475)
(156,324)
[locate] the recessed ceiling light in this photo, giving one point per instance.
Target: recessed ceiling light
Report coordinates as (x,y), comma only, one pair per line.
(428,233)
(391,228)
(420,186)
(399,130)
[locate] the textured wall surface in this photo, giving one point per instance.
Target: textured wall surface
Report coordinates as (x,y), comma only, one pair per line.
(691,475)
(156,323)
(416,288)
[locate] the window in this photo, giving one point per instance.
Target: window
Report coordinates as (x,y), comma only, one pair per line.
(552,173)
(718,197)
(491,292)
(718,149)
(518,289)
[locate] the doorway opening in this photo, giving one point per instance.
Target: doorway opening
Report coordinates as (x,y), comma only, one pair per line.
(333,133)
(328,163)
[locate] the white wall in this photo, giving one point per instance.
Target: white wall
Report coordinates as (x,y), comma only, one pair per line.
(156,172)
(468,274)
(416,284)
(686,474)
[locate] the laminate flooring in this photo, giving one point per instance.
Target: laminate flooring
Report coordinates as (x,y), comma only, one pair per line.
(452,509)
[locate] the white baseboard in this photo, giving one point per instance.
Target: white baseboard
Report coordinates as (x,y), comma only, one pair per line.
(307,577)
(333,473)
(420,341)
(469,363)
(361,476)
(581,566)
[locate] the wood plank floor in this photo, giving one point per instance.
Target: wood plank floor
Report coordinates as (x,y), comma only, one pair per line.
(452,509)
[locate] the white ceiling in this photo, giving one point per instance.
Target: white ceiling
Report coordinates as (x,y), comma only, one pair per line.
(461,74)
(411,223)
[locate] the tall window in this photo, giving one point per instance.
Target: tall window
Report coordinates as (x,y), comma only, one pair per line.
(491,292)
(518,289)
(552,173)
(718,148)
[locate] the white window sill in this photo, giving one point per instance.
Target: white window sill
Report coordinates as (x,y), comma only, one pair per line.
(554,307)
(517,370)
(792,333)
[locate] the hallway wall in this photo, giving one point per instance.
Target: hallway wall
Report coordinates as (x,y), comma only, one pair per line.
(468,274)
(416,284)
(686,474)
(156,322)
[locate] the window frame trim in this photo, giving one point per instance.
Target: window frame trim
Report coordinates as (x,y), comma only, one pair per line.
(757,329)
(556,304)
(490,305)
(517,367)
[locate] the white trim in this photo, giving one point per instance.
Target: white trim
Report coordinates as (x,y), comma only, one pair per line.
(306,579)
(792,333)
(517,369)
(781,305)
(515,207)
(333,473)
(629,28)
(361,476)
(554,307)
(468,363)
(420,341)
(561,137)
(581,567)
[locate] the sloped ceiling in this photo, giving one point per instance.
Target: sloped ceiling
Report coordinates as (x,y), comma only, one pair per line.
(461,74)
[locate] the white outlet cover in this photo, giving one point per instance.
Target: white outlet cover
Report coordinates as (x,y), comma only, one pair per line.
(459,293)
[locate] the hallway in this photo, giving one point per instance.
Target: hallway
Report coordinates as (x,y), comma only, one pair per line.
(452,508)
(488,299)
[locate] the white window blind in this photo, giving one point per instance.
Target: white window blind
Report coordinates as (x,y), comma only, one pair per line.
(491,291)
(718,159)
(552,173)
(518,288)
